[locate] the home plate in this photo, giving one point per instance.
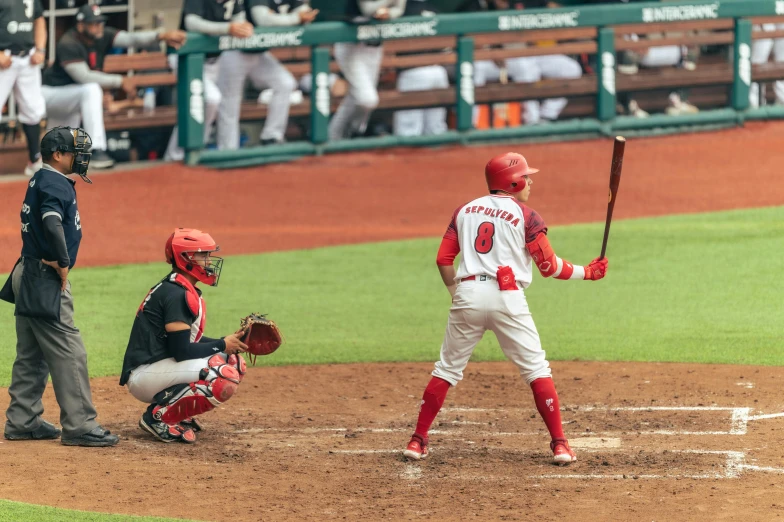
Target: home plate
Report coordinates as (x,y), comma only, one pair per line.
(595,443)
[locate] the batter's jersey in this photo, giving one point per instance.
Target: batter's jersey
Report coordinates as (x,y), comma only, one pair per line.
(492,231)
(73,48)
(277,6)
(50,193)
(166,302)
(16,24)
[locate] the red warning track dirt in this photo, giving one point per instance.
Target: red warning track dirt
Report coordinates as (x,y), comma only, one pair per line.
(655,441)
(404,193)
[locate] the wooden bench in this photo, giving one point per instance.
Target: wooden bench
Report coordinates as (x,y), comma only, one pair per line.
(403,54)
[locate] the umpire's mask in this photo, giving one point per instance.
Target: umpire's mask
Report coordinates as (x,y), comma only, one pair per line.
(67,139)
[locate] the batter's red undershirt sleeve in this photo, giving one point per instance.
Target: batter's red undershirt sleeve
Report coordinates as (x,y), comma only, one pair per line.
(448,251)
(450,245)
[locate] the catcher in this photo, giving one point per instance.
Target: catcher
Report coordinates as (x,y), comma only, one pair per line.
(169,363)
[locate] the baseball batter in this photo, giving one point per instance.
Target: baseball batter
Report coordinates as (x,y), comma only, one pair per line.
(501,239)
(216,18)
(264,70)
(361,65)
(169,363)
(73,86)
(22,51)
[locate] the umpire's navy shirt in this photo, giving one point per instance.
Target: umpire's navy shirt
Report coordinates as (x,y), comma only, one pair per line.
(50,193)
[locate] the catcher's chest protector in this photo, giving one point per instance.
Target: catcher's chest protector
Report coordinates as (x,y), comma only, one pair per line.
(196,305)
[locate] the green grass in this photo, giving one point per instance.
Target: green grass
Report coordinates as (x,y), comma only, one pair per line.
(17,511)
(698,288)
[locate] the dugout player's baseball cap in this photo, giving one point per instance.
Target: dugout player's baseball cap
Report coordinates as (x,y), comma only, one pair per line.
(90,14)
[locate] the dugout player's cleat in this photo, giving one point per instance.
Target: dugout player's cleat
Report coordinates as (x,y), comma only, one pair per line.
(417,448)
(562,453)
(165,432)
(32,168)
(101,160)
(97,438)
(45,431)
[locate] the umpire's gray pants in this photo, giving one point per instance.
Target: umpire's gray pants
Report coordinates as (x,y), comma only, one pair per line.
(44,346)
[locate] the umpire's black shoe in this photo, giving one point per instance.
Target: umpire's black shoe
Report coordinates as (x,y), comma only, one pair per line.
(98,437)
(101,160)
(45,431)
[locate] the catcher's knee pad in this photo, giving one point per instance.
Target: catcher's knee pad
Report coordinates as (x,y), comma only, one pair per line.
(217,383)
(239,363)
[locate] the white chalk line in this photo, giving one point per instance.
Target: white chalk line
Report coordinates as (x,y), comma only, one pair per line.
(766,416)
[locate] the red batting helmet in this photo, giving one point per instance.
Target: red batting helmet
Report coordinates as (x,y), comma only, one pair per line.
(506,172)
(180,247)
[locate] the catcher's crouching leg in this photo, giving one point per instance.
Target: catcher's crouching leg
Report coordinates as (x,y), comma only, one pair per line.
(216,384)
(238,362)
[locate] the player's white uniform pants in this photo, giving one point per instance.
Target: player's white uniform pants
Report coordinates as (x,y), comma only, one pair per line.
(361,65)
(479,306)
(25,80)
(531,69)
(77,105)
(760,52)
(419,122)
(264,71)
(212,99)
(148,379)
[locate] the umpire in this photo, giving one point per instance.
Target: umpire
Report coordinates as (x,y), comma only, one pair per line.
(47,340)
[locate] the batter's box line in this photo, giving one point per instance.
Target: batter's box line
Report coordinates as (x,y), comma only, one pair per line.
(738,421)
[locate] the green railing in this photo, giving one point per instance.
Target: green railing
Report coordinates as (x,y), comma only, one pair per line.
(190,90)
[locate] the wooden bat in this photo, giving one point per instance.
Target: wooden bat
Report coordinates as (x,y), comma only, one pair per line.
(615,180)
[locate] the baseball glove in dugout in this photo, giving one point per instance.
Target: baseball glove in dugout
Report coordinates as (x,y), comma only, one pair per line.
(262,335)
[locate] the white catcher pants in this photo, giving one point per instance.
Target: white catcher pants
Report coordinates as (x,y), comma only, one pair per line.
(421,122)
(25,80)
(479,306)
(212,99)
(148,379)
(264,71)
(76,104)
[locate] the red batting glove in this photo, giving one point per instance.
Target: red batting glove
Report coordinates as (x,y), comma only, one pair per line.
(596,269)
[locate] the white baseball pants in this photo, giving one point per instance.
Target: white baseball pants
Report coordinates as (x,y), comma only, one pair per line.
(212,99)
(361,65)
(421,122)
(25,80)
(264,71)
(760,53)
(531,69)
(148,379)
(77,105)
(479,306)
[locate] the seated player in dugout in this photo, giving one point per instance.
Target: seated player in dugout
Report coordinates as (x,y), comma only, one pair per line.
(73,84)
(169,363)
(501,239)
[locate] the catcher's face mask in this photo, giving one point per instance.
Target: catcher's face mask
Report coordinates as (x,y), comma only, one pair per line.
(204,266)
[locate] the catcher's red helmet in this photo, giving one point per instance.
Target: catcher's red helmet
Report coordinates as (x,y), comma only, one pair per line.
(180,247)
(505,172)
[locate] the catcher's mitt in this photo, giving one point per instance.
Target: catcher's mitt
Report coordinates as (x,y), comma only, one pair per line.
(261,335)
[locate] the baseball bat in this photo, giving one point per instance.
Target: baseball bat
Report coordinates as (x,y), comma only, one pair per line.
(615,180)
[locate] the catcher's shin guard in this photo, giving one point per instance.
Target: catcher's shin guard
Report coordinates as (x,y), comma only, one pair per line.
(216,384)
